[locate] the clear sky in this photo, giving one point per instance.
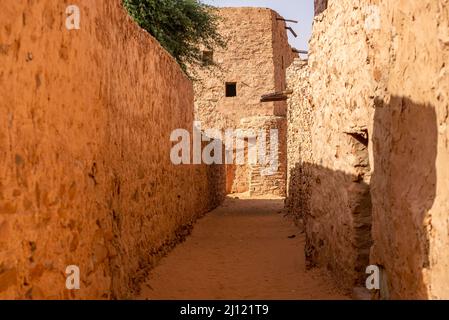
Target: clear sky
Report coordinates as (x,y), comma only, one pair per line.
(300,10)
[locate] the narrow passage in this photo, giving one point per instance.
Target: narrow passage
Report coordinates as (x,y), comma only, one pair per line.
(245,249)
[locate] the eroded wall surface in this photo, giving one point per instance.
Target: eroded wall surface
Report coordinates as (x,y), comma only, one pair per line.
(267,179)
(375,131)
(329,168)
(256,58)
(410,148)
(299,140)
(85,171)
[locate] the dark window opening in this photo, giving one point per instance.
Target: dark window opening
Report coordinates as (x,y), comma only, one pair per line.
(231,89)
(208,58)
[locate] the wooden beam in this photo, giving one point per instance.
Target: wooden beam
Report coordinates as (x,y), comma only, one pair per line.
(277,96)
(287,20)
(300,51)
(274,98)
(292,31)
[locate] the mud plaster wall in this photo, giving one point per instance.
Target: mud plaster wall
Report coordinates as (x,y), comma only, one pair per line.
(85,171)
(256,57)
(410,152)
(391,84)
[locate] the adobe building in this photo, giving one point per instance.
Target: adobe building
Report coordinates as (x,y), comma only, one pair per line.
(228,95)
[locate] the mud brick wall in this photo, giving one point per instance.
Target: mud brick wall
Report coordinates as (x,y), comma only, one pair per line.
(85,171)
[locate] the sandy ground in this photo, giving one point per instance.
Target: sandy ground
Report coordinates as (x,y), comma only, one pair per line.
(243,250)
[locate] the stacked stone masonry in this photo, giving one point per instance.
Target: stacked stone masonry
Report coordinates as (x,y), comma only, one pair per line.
(85,171)
(255,59)
(367,144)
(299,139)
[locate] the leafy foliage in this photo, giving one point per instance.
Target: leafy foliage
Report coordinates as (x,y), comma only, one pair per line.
(183,27)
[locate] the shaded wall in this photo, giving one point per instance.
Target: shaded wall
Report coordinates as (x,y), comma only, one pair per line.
(85,171)
(328,120)
(299,140)
(371,144)
(410,148)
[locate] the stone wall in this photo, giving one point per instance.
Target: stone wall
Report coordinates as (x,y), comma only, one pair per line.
(256,58)
(283,57)
(299,140)
(85,171)
(329,167)
(410,149)
(247,60)
(370,145)
(261,180)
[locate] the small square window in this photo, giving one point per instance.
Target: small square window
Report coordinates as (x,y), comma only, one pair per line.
(208,58)
(231,89)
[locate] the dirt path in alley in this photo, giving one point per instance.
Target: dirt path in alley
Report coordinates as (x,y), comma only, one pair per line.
(245,249)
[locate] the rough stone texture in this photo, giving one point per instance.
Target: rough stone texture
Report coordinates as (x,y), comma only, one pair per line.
(299,139)
(256,58)
(386,88)
(410,149)
(329,168)
(261,183)
(85,171)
